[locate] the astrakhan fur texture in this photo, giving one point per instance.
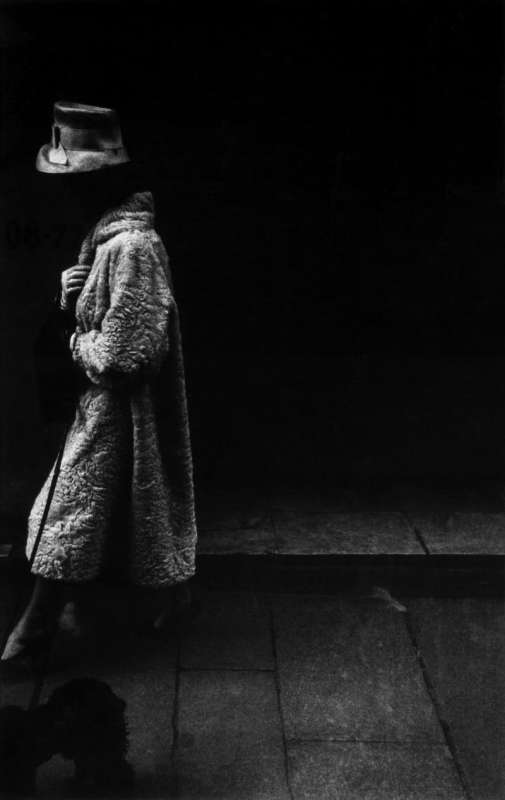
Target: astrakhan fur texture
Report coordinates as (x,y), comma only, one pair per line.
(128,447)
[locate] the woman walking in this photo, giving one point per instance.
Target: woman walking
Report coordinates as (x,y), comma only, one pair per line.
(124,496)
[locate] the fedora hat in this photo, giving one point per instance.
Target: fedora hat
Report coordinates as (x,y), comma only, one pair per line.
(84,138)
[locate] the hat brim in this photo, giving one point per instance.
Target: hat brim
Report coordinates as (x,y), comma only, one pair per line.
(79,160)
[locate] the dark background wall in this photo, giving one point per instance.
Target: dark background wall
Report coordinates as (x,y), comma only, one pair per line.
(329,186)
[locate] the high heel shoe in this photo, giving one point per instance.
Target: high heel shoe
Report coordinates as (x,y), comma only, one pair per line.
(185,609)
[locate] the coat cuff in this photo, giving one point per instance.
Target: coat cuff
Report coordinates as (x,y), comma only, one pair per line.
(79,346)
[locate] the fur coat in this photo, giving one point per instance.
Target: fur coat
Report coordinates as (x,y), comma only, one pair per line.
(125,491)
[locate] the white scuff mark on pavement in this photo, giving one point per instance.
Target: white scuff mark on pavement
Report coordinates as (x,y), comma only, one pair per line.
(379,593)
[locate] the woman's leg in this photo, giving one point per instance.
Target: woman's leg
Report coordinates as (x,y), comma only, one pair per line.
(167,609)
(176,609)
(39,619)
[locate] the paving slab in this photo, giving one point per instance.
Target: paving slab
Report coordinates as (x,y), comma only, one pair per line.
(231,632)
(463,645)
(230,742)
(468,533)
(235,522)
(348,671)
(229,541)
(235,519)
(236,508)
(142,673)
(351,533)
(359,771)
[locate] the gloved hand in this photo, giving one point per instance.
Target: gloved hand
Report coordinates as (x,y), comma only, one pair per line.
(72,281)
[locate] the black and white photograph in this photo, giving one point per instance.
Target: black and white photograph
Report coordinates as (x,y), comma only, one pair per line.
(252,404)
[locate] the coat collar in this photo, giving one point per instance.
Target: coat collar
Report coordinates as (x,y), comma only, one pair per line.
(135,213)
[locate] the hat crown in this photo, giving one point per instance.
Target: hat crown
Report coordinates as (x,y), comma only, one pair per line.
(84,117)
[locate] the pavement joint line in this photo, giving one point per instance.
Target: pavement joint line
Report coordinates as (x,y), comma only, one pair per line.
(227,669)
(175,717)
(432,692)
(275,532)
(417,533)
(279,701)
(397,742)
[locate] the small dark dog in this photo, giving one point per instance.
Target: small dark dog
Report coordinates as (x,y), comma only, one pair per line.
(84,721)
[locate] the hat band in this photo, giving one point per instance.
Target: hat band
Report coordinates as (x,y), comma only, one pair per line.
(86,139)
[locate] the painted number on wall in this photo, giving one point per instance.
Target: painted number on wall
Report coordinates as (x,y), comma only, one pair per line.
(30,235)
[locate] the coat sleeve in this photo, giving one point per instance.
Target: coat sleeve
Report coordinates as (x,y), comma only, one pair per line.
(132,338)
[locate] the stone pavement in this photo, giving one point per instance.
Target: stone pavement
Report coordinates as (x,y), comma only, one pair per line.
(393,518)
(309,697)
